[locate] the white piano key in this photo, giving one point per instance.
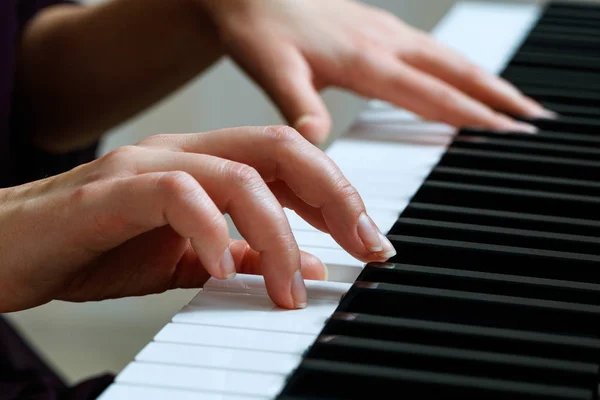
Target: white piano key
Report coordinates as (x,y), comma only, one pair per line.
(122,391)
(391,207)
(203,379)
(255,284)
(499,29)
(383,218)
(398,192)
(366,153)
(435,137)
(316,239)
(217,357)
(294,343)
(257,312)
(333,256)
(357,176)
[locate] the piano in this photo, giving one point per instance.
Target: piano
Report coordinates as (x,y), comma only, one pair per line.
(495,290)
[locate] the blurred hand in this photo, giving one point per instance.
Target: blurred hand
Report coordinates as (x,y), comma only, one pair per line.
(148,218)
(294,49)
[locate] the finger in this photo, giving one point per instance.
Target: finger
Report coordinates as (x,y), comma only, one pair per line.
(248,261)
(239,190)
(400,84)
(288,199)
(130,206)
(284,74)
(438,60)
(281,154)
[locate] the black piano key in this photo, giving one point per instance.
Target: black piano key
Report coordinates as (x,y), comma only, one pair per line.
(544,136)
(573,12)
(515,181)
(568,124)
(525,238)
(520,145)
(337,380)
(584,32)
(427,332)
(474,281)
(508,199)
(503,161)
(481,309)
(572,41)
(552,78)
(557,5)
(442,359)
(574,97)
(496,259)
(551,21)
(545,223)
(570,62)
(570,110)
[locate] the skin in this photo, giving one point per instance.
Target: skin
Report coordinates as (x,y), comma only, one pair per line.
(149,217)
(125,55)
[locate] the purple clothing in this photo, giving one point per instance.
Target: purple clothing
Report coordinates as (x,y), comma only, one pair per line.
(23,374)
(21,162)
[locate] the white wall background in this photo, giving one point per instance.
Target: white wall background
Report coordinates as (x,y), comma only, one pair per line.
(87,339)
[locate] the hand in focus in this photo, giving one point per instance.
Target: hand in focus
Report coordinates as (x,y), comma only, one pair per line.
(294,49)
(147,218)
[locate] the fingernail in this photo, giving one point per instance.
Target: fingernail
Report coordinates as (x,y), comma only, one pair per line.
(303,120)
(299,290)
(545,113)
(227,264)
(326,270)
(369,233)
(523,127)
(388,249)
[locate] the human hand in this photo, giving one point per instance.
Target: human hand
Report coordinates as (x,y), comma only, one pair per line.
(148,218)
(294,49)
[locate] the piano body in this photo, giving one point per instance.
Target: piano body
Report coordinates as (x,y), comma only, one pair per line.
(495,291)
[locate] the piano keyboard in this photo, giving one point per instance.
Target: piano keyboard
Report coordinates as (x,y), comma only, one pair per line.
(494,292)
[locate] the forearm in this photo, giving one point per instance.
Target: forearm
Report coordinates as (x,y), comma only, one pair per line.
(82,70)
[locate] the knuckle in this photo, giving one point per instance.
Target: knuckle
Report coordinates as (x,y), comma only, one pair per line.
(156,140)
(121,157)
(472,73)
(447,102)
(178,183)
(85,193)
(243,174)
(345,191)
(281,134)
(216,223)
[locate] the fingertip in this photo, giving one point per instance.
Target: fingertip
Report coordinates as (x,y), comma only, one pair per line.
(298,288)
(314,128)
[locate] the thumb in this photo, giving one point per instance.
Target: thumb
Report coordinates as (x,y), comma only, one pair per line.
(292,89)
(286,77)
(301,104)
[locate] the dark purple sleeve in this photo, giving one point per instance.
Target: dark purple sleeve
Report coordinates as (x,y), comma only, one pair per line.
(32,163)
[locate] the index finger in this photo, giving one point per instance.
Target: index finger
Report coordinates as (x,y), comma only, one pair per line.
(282,154)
